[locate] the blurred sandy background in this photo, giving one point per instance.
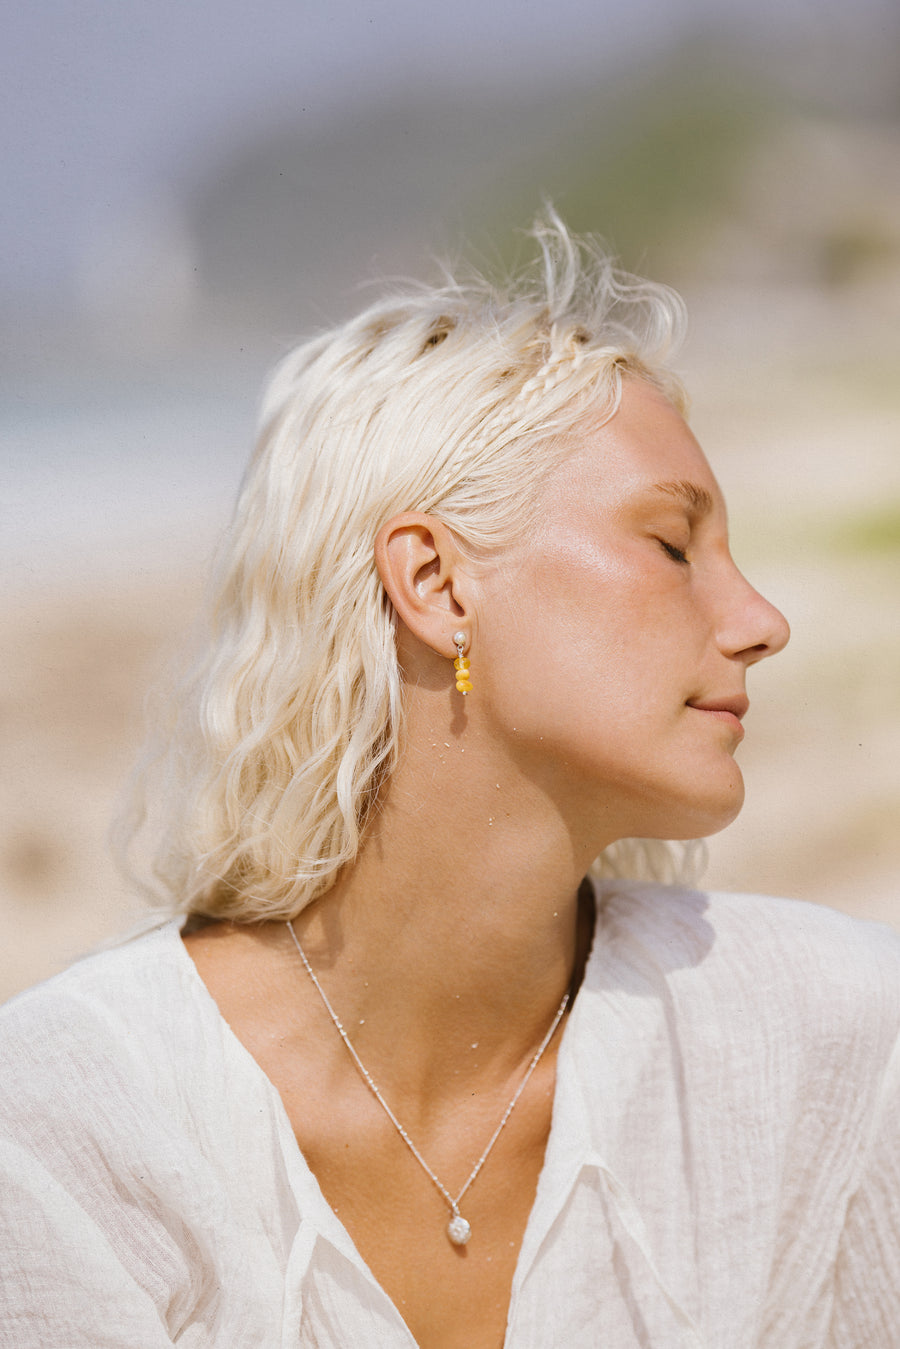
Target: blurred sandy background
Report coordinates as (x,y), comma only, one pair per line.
(191,188)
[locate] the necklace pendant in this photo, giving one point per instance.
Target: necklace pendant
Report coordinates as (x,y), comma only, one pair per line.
(458,1230)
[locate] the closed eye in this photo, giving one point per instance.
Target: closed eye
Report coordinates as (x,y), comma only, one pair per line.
(675,553)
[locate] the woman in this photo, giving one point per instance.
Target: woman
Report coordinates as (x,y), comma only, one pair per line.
(407,1077)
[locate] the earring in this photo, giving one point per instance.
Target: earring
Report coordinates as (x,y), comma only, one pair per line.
(461,664)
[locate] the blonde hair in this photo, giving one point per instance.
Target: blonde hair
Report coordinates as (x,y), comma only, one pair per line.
(453,400)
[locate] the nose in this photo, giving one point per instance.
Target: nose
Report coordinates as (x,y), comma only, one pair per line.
(752,628)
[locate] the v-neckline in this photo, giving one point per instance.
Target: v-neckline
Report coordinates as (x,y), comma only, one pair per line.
(305,1184)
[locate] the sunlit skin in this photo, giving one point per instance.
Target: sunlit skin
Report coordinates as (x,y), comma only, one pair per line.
(626,618)
(609,655)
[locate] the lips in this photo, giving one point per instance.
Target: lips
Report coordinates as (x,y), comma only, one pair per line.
(736,705)
(727,710)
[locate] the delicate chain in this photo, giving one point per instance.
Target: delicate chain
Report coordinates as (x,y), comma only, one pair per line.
(370,1082)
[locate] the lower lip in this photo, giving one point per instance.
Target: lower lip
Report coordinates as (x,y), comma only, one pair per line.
(728,718)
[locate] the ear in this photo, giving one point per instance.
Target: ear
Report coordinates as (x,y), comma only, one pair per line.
(419,560)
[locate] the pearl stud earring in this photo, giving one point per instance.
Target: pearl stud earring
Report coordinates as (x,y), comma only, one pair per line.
(461,664)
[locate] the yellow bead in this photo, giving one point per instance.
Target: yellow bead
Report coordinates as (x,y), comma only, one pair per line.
(461,663)
(463,685)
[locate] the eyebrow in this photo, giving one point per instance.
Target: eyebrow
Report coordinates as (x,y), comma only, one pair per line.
(698,500)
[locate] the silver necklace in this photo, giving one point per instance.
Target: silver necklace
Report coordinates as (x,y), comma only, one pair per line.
(458,1228)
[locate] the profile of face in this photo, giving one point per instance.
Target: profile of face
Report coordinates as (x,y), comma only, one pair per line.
(613,642)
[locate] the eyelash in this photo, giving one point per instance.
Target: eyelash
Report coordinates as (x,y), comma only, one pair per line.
(674,553)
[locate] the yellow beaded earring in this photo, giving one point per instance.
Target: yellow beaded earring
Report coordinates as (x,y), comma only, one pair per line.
(461,664)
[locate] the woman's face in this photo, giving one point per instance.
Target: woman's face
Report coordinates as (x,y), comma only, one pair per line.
(613,645)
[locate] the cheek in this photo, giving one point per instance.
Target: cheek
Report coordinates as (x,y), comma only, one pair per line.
(582,640)
(615,614)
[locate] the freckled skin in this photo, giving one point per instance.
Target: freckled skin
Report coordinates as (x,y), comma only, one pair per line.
(624,633)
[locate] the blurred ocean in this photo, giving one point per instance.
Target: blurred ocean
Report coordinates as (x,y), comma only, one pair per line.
(98,482)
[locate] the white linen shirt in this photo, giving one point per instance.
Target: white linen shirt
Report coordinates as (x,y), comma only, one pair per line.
(723,1168)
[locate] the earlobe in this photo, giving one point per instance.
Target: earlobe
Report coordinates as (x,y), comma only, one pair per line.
(418,562)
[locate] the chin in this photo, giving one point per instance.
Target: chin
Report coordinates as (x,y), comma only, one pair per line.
(712,824)
(716,818)
(702,815)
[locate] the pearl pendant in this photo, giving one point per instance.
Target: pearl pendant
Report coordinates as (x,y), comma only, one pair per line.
(458,1230)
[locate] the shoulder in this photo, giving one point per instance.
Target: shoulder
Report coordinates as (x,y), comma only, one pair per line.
(757,931)
(112,1023)
(118,1152)
(115,1079)
(121,981)
(758,962)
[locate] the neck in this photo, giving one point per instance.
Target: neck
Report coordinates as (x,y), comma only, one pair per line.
(456,932)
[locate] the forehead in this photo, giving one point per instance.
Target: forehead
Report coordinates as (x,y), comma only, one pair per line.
(645,451)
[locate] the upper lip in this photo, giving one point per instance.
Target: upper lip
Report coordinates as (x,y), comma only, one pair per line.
(737,705)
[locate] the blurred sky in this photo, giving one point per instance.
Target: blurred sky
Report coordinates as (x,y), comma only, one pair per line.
(108,103)
(183,174)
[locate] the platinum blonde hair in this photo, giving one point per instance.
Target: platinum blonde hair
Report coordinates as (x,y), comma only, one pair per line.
(454,400)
